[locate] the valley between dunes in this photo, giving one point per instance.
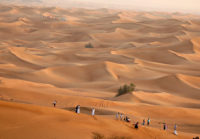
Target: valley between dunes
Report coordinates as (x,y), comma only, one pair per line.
(43,58)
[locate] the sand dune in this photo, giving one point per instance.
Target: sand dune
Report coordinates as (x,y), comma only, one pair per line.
(43,58)
(191,80)
(46,119)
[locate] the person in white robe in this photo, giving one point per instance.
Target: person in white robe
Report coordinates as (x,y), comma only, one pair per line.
(93,111)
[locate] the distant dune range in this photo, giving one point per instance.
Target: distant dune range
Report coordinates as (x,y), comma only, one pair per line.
(43,58)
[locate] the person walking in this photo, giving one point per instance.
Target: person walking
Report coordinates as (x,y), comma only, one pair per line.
(76,109)
(127,119)
(148,122)
(143,123)
(121,116)
(175,127)
(54,103)
(117,115)
(93,111)
(136,125)
(165,126)
(79,109)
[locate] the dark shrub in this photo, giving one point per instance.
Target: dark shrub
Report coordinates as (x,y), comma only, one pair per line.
(126,89)
(89,45)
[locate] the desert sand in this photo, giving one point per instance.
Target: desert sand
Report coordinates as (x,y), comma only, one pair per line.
(43,58)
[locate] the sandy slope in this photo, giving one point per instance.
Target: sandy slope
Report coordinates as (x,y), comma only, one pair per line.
(43,58)
(43,122)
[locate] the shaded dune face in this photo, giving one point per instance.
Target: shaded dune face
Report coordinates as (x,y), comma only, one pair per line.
(43,58)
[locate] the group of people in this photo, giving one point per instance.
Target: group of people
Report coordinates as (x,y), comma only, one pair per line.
(148,122)
(143,123)
(165,127)
(78,110)
(121,116)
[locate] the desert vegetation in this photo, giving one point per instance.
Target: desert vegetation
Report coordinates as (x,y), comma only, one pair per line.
(126,89)
(89,45)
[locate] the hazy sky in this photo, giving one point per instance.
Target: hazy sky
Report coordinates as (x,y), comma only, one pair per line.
(174,5)
(192,6)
